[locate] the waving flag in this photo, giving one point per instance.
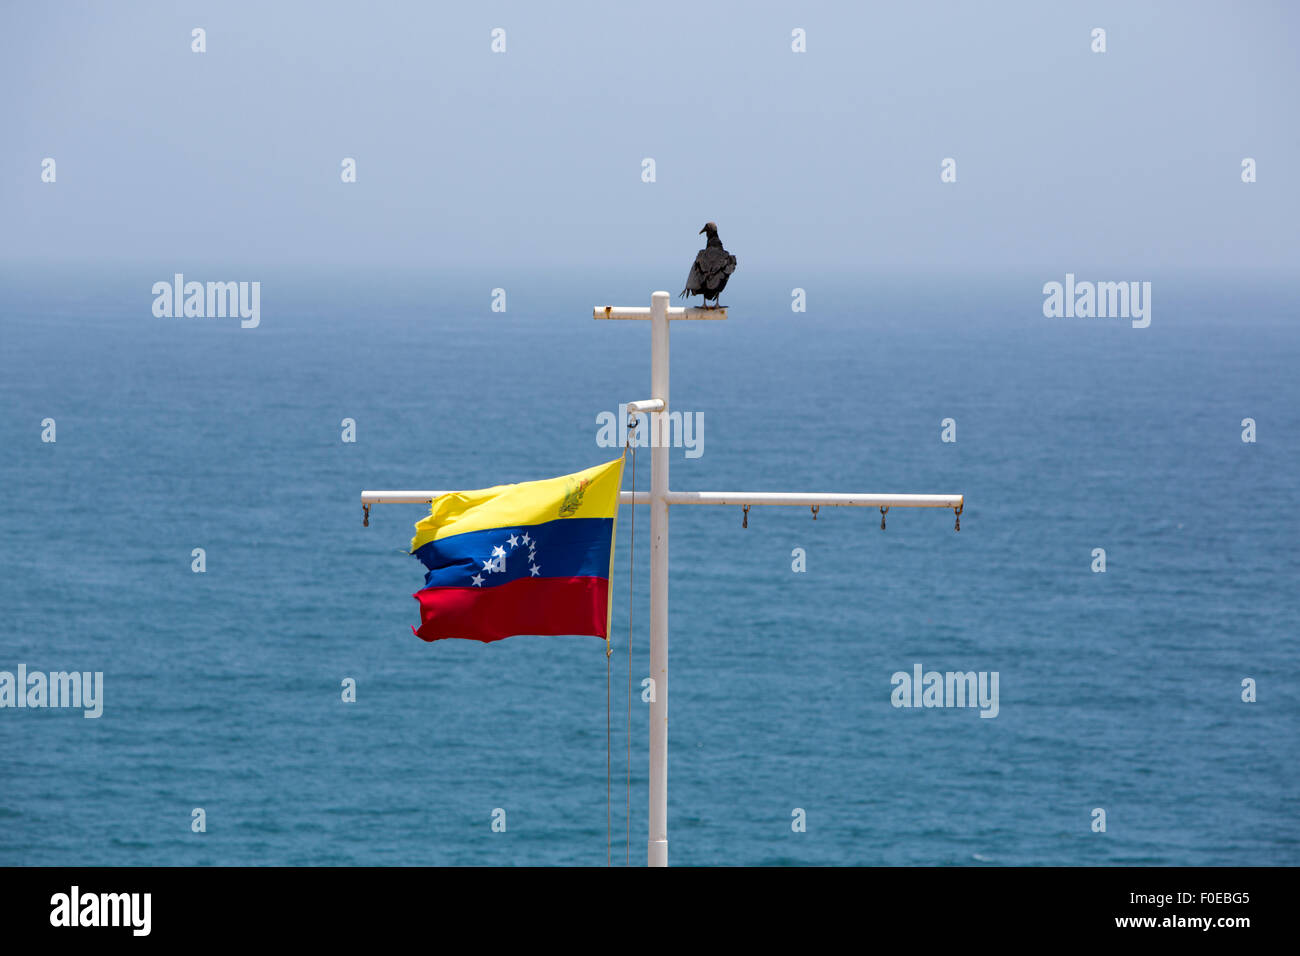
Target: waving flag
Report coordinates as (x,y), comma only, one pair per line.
(531,558)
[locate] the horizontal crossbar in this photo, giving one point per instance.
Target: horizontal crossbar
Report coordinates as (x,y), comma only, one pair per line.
(798,499)
(643,312)
(805,499)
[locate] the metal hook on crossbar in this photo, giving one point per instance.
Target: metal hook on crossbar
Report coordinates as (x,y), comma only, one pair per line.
(365,515)
(745,521)
(815,509)
(883,511)
(957,516)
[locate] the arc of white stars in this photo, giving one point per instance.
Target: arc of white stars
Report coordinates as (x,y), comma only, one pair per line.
(499,554)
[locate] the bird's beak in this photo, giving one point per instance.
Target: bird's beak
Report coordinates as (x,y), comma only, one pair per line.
(701,232)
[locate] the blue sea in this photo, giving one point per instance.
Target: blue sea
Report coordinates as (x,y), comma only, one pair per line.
(1119,691)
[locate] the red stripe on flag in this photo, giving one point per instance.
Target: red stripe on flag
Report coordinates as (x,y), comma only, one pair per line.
(525,606)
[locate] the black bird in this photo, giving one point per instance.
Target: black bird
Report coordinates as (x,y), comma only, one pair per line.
(713,266)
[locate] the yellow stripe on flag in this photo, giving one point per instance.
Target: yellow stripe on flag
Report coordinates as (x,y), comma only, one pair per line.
(592,493)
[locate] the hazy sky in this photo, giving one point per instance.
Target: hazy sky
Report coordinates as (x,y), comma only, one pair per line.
(1127,161)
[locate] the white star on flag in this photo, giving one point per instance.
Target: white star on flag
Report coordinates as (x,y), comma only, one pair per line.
(478,580)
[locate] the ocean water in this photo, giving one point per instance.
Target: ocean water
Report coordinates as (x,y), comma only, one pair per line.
(1119,691)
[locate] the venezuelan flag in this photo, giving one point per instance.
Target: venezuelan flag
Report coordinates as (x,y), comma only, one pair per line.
(531,558)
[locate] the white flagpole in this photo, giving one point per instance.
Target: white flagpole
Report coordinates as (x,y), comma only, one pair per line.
(658,843)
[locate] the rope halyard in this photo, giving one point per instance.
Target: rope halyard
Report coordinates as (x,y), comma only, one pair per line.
(609,650)
(609,823)
(631,578)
